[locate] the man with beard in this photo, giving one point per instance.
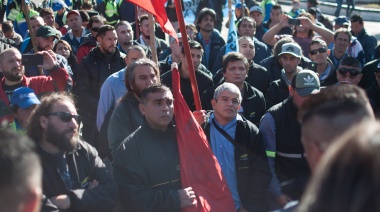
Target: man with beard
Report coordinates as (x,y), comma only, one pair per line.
(204,80)
(144,38)
(13,70)
(208,37)
(290,58)
(90,39)
(127,117)
(45,37)
(75,36)
(100,63)
(74,177)
(125,36)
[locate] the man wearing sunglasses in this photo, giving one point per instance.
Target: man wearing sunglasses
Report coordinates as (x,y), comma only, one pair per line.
(74,177)
(90,39)
(349,71)
(319,54)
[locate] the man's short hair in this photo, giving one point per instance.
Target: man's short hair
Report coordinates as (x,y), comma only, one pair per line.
(232,57)
(104,29)
(86,6)
(21,171)
(333,103)
(123,23)
(84,15)
(206,11)
(130,71)
(277,7)
(152,89)
(343,30)
(357,18)
(142,18)
(193,45)
(318,41)
(46,11)
(137,48)
(34,129)
(95,19)
(35,17)
(7,26)
(246,18)
(351,61)
(230,87)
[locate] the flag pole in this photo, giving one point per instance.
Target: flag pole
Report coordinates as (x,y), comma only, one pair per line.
(193,80)
(229,9)
(137,23)
(243,8)
(152,39)
(26,15)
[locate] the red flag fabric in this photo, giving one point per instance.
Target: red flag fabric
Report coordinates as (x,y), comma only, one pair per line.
(199,167)
(157,8)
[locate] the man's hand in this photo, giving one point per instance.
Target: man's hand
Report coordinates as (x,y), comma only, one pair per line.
(61,201)
(283,200)
(49,60)
(200,116)
(187,197)
(93,184)
(306,22)
(284,22)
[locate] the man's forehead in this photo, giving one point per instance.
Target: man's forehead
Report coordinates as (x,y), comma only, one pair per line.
(12,54)
(143,70)
(228,94)
(160,95)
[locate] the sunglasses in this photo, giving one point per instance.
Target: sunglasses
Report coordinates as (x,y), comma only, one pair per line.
(320,50)
(64,116)
(353,72)
(95,29)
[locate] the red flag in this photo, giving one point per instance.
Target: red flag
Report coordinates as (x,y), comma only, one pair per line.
(199,167)
(157,8)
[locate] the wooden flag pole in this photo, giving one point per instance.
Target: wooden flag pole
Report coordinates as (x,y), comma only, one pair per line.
(229,10)
(152,39)
(193,80)
(26,15)
(242,8)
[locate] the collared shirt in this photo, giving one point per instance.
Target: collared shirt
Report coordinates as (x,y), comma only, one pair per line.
(224,151)
(325,73)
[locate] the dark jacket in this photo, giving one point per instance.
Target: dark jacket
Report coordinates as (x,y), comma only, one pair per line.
(216,43)
(253,102)
(368,43)
(85,47)
(204,81)
(260,31)
(147,171)
(277,92)
(93,71)
(373,94)
(368,71)
(258,77)
(261,52)
(161,46)
(252,170)
(84,167)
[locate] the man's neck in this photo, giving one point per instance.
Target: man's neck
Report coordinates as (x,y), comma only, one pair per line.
(78,33)
(240,85)
(184,72)
(222,121)
(290,76)
(125,47)
(146,40)
(303,34)
(175,58)
(10,83)
(338,54)
(206,35)
(48,147)
(321,67)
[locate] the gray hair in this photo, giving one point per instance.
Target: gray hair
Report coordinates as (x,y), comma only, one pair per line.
(227,87)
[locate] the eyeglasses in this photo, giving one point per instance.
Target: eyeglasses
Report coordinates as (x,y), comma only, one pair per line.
(320,50)
(353,72)
(95,29)
(65,116)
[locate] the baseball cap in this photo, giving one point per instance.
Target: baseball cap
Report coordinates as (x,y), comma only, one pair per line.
(306,82)
(56,6)
(24,97)
(341,21)
(313,2)
(172,39)
(291,48)
(72,12)
(238,5)
(46,31)
(255,9)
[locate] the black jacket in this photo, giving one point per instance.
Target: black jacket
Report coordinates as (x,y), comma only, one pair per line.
(93,71)
(84,167)
(373,94)
(277,92)
(252,169)
(216,43)
(368,43)
(258,77)
(253,102)
(368,72)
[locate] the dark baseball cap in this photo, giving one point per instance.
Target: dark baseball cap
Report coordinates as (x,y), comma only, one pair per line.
(47,31)
(342,21)
(306,82)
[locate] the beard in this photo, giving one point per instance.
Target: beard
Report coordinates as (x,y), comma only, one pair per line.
(59,139)
(14,77)
(109,50)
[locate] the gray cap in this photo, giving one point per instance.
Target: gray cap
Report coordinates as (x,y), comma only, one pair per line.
(291,48)
(255,9)
(306,82)
(172,39)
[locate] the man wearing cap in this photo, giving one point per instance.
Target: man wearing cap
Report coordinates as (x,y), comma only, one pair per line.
(341,49)
(23,103)
(13,70)
(282,137)
(349,71)
(290,58)
(257,15)
(75,36)
(45,37)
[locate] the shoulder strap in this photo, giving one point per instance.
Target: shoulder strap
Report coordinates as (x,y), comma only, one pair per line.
(224,133)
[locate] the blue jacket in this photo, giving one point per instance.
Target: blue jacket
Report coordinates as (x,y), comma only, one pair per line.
(216,43)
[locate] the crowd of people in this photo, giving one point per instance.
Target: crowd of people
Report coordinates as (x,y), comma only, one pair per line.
(290,117)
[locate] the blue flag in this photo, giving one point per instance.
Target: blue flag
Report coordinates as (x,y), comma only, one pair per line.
(232,41)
